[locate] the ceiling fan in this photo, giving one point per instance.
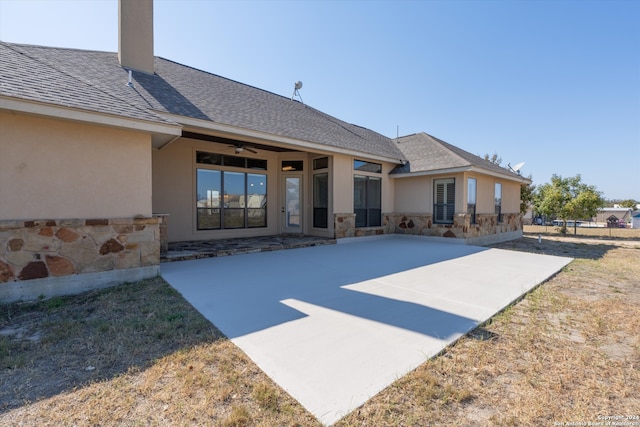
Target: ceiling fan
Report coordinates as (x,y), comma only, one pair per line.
(240,147)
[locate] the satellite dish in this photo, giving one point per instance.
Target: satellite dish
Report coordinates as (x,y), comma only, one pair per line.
(516,168)
(296,87)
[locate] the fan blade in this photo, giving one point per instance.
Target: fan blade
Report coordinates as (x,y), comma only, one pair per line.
(251,150)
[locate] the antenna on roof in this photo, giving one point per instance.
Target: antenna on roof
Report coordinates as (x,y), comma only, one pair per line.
(296,88)
(130,82)
(516,168)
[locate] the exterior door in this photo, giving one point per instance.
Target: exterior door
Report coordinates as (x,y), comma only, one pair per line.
(292,204)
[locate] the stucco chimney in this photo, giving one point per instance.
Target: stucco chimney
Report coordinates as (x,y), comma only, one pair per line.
(135,34)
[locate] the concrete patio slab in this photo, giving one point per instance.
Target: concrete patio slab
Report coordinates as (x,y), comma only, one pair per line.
(334,325)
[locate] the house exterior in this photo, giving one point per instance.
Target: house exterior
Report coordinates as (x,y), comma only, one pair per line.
(444,191)
(105,157)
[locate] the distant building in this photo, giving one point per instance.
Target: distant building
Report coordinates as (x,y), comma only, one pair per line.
(604,215)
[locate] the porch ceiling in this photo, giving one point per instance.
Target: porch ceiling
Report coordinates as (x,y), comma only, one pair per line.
(221,140)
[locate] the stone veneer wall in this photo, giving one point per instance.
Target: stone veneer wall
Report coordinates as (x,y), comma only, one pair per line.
(51,249)
(486,227)
(344,225)
(369,231)
(422,225)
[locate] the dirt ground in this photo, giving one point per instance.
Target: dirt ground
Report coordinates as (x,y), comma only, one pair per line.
(138,354)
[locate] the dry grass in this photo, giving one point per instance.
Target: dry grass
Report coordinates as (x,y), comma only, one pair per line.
(136,354)
(594,232)
(568,352)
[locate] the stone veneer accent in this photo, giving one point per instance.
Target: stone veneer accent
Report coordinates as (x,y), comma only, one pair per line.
(487,229)
(422,225)
(47,249)
(344,225)
(163,223)
(369,231)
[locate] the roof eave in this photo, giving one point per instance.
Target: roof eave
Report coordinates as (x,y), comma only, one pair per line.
(161,132)
(264,137)
(505,175)
(469,168)
(431,172)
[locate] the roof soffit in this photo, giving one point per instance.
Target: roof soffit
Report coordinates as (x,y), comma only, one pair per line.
(160,131)
(208,128)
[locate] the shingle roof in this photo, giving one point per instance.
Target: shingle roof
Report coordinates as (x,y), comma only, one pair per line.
(27,77)
(95,81)
(425,153)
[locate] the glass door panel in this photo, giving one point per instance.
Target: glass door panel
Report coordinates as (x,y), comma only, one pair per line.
(292,208)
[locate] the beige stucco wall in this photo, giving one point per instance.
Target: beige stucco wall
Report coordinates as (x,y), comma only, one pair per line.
(486,194)
(342,184)
(415,194)
(62,169)
(174,186)
(388,188)
(510,196)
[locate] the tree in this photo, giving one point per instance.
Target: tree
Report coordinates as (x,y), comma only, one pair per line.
(527,192)
(495,159)
(629,203)
(568,198)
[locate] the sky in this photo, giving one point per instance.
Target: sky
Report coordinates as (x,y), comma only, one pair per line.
(554,84)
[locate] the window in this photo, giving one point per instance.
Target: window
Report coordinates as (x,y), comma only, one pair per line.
(444,191)
(321,192)
(471,199)
(367,200)
(321,163)
(320,200)
(209,199)
(367,194)
(233,185)
(362,166)
(256,200)
(292,165)
(230,199)
(205,158)
(498,200)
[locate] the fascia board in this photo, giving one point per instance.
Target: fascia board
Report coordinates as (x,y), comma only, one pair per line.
(431,172)
(48,110)
(205,126)
(475,169)
(520,179)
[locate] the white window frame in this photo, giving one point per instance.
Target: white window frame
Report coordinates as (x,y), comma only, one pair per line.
(445,216)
